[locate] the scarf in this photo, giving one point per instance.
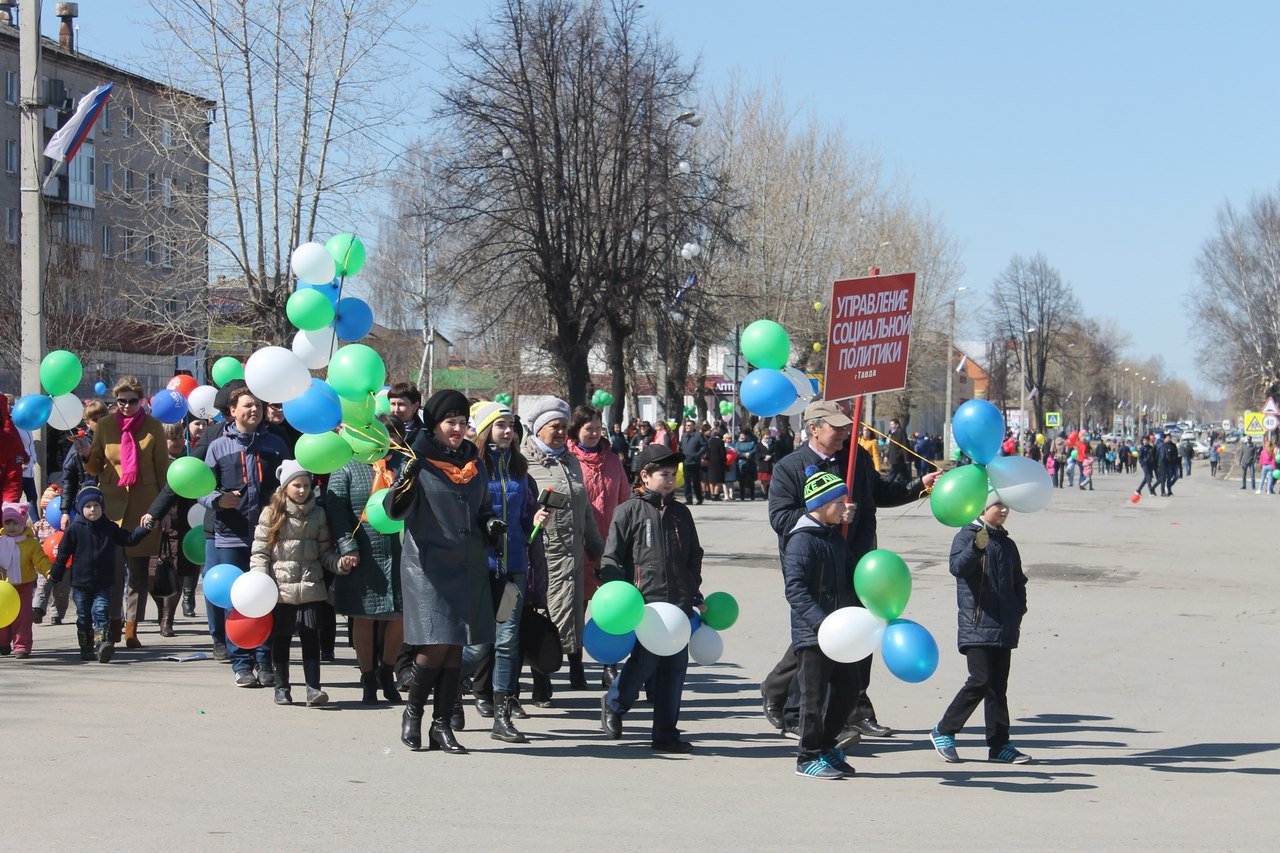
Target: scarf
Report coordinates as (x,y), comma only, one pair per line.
(129,427)
(382,479)
(554,454)
(458,474)
(11,559)
(599,448)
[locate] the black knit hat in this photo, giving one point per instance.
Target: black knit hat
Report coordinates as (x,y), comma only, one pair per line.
(445,403)
(222,400)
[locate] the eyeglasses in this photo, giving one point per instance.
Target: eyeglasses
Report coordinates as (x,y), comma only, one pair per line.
(128,401)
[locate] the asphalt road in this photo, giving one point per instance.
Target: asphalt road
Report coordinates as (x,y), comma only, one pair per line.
(1145,689)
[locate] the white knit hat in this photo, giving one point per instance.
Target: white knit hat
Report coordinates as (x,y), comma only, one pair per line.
(289,470)
(545,411)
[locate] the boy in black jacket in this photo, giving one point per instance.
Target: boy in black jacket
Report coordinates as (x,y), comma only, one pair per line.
(814,557)
(991,593)
(654,545)
(90,545)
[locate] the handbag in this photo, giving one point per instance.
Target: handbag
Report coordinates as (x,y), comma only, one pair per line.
(540,641)
(165,581)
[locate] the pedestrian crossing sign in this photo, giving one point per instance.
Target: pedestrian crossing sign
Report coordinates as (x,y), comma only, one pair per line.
(1271,408)
(1053,419)
(1253,424)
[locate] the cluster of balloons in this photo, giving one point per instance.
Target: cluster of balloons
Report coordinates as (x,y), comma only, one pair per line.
(60,373)
(620,619)
(772,388)
(249,599)
(317,308)
(726,408)
(960,495)
(883,583)
(504,398)
(601,399)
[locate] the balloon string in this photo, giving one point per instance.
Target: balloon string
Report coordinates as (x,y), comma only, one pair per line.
(904,447)
(399,447)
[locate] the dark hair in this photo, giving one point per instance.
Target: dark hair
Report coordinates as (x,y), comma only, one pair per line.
(517,464)
(582,416)
(394,428)
(651,467)
(406,391)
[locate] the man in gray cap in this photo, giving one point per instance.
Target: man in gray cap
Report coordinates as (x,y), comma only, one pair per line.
(827,449)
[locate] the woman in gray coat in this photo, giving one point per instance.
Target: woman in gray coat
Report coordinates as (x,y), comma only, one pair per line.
(442,494)
(568,534)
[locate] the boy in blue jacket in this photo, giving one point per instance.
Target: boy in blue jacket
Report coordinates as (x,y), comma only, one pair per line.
(991,592)
(817,582)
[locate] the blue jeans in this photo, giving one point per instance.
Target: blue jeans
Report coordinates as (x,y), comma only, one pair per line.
(242,660)
(668,683)
(1247,473)
(506,651)
(92,608)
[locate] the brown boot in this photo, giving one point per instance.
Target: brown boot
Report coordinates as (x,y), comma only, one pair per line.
(131,635)
(114,629)
(168,608)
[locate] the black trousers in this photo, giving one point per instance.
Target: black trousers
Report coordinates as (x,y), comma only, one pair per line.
(286,623)
(692,483)
(1166,478)
(781,690)
(900,472)
(1059,471)
(989,683)
(828,692)
(1147,480)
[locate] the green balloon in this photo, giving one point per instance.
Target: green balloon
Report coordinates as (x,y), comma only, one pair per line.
(883,583)
(606,399)
(1275,475)
(368,442)
(60,373)
(726,408)
(358,412)
(765,344)
(322,453)
(504,398)
(375,512)
(722,611)
(227,369)
(355,371)
(347,252)
(382,404)
(617,607)
(959,495)
(309,309)
(193,545)
(191,478)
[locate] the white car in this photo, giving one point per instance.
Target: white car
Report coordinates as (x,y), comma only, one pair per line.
(1201,449)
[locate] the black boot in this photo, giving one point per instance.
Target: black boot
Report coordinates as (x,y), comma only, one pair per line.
(189,596)
(103,647)
(387,678)
(541,690)
(369,681)
(485,705)
(421,680)
(458,717)
(283,695)
(608,674)
(448,701)
(577,675)
(85,637)
(502,728)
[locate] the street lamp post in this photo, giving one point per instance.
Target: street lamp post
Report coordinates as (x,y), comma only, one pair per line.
(1022,388)
(951,346)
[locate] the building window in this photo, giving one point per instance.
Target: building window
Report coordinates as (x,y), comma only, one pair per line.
(166,133)
(127,244)
(108,248)
(105,119)
(151,186)
(129,182)
(128,122)
(80,227)
(166,195)
(108,176)
(11,87)
(151,251)
(80,177)
(11,156)
(12,224)
(166,254)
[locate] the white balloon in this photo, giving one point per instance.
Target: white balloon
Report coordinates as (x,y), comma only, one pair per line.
(276,375)
(850,634)
(315,348)
(195,516)
(67,412)
(254,594)
(312,263)
(706,645)
(664,630)
(804,390)
(200,401)
(1023,484)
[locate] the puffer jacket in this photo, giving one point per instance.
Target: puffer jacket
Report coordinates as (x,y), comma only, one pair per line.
(32,560)
(607,487)
(991,590)
(515,502)
(815,577)
(302,553)
(653,544)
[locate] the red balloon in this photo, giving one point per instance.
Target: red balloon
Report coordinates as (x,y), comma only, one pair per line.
(183,384)
(50,546)
(730,455)
(1135,497)
(248,633)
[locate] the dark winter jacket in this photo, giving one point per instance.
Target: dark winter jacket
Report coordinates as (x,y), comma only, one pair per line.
(991,590)
(246,464)
(893,452)
(654,545)
(1168,455)
(786,495)
(168,499)
(515,502)
(74,476)
(91,547)
(816,577)
(1146,457)
(693,445)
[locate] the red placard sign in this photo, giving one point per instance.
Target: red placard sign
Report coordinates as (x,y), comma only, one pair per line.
(870,335)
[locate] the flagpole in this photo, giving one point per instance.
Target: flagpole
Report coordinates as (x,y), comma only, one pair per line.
(53,173)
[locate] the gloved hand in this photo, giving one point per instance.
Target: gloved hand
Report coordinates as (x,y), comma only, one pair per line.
(495,530)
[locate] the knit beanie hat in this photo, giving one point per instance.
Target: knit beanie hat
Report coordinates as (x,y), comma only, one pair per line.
(88,494)
(993,498)
(822,487)
(14,511)
(290,470)
(545,411)
(484,413)
(445,403)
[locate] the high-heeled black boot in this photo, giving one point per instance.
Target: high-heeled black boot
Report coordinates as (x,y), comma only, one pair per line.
(541,690)
(447,696)
(421,680)
(369,681)
(577,675)
(387,678)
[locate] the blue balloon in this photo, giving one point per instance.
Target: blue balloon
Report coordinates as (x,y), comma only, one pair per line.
(979,430)
(330,290)
(695,622)
(316,410)
(169,406)
(32,411)
(53,513)
(909,651)
(767,392)
(217,584)
(606,648)
(354,319)
(99,388)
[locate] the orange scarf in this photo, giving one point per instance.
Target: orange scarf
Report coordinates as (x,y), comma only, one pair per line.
(462,475)
(382,479)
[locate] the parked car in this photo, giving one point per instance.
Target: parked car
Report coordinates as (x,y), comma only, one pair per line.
(1201,449)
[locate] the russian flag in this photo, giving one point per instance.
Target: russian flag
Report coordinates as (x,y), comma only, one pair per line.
(67,141)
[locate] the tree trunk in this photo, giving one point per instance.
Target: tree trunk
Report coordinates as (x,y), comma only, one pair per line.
(617,360)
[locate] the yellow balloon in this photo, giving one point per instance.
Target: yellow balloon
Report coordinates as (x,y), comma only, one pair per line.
(680,476)
(817,306)
(1039,439)
(10,604)
(817,347)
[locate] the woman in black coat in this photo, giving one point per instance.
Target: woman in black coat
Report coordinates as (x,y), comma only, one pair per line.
(715,465)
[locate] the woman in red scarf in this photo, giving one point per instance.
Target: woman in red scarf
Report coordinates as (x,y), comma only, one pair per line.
(130,459)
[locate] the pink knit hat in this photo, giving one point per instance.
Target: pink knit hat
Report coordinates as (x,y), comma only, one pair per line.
(14,511)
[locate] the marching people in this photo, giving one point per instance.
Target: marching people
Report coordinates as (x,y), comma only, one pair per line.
(693,444)
(1247,457)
